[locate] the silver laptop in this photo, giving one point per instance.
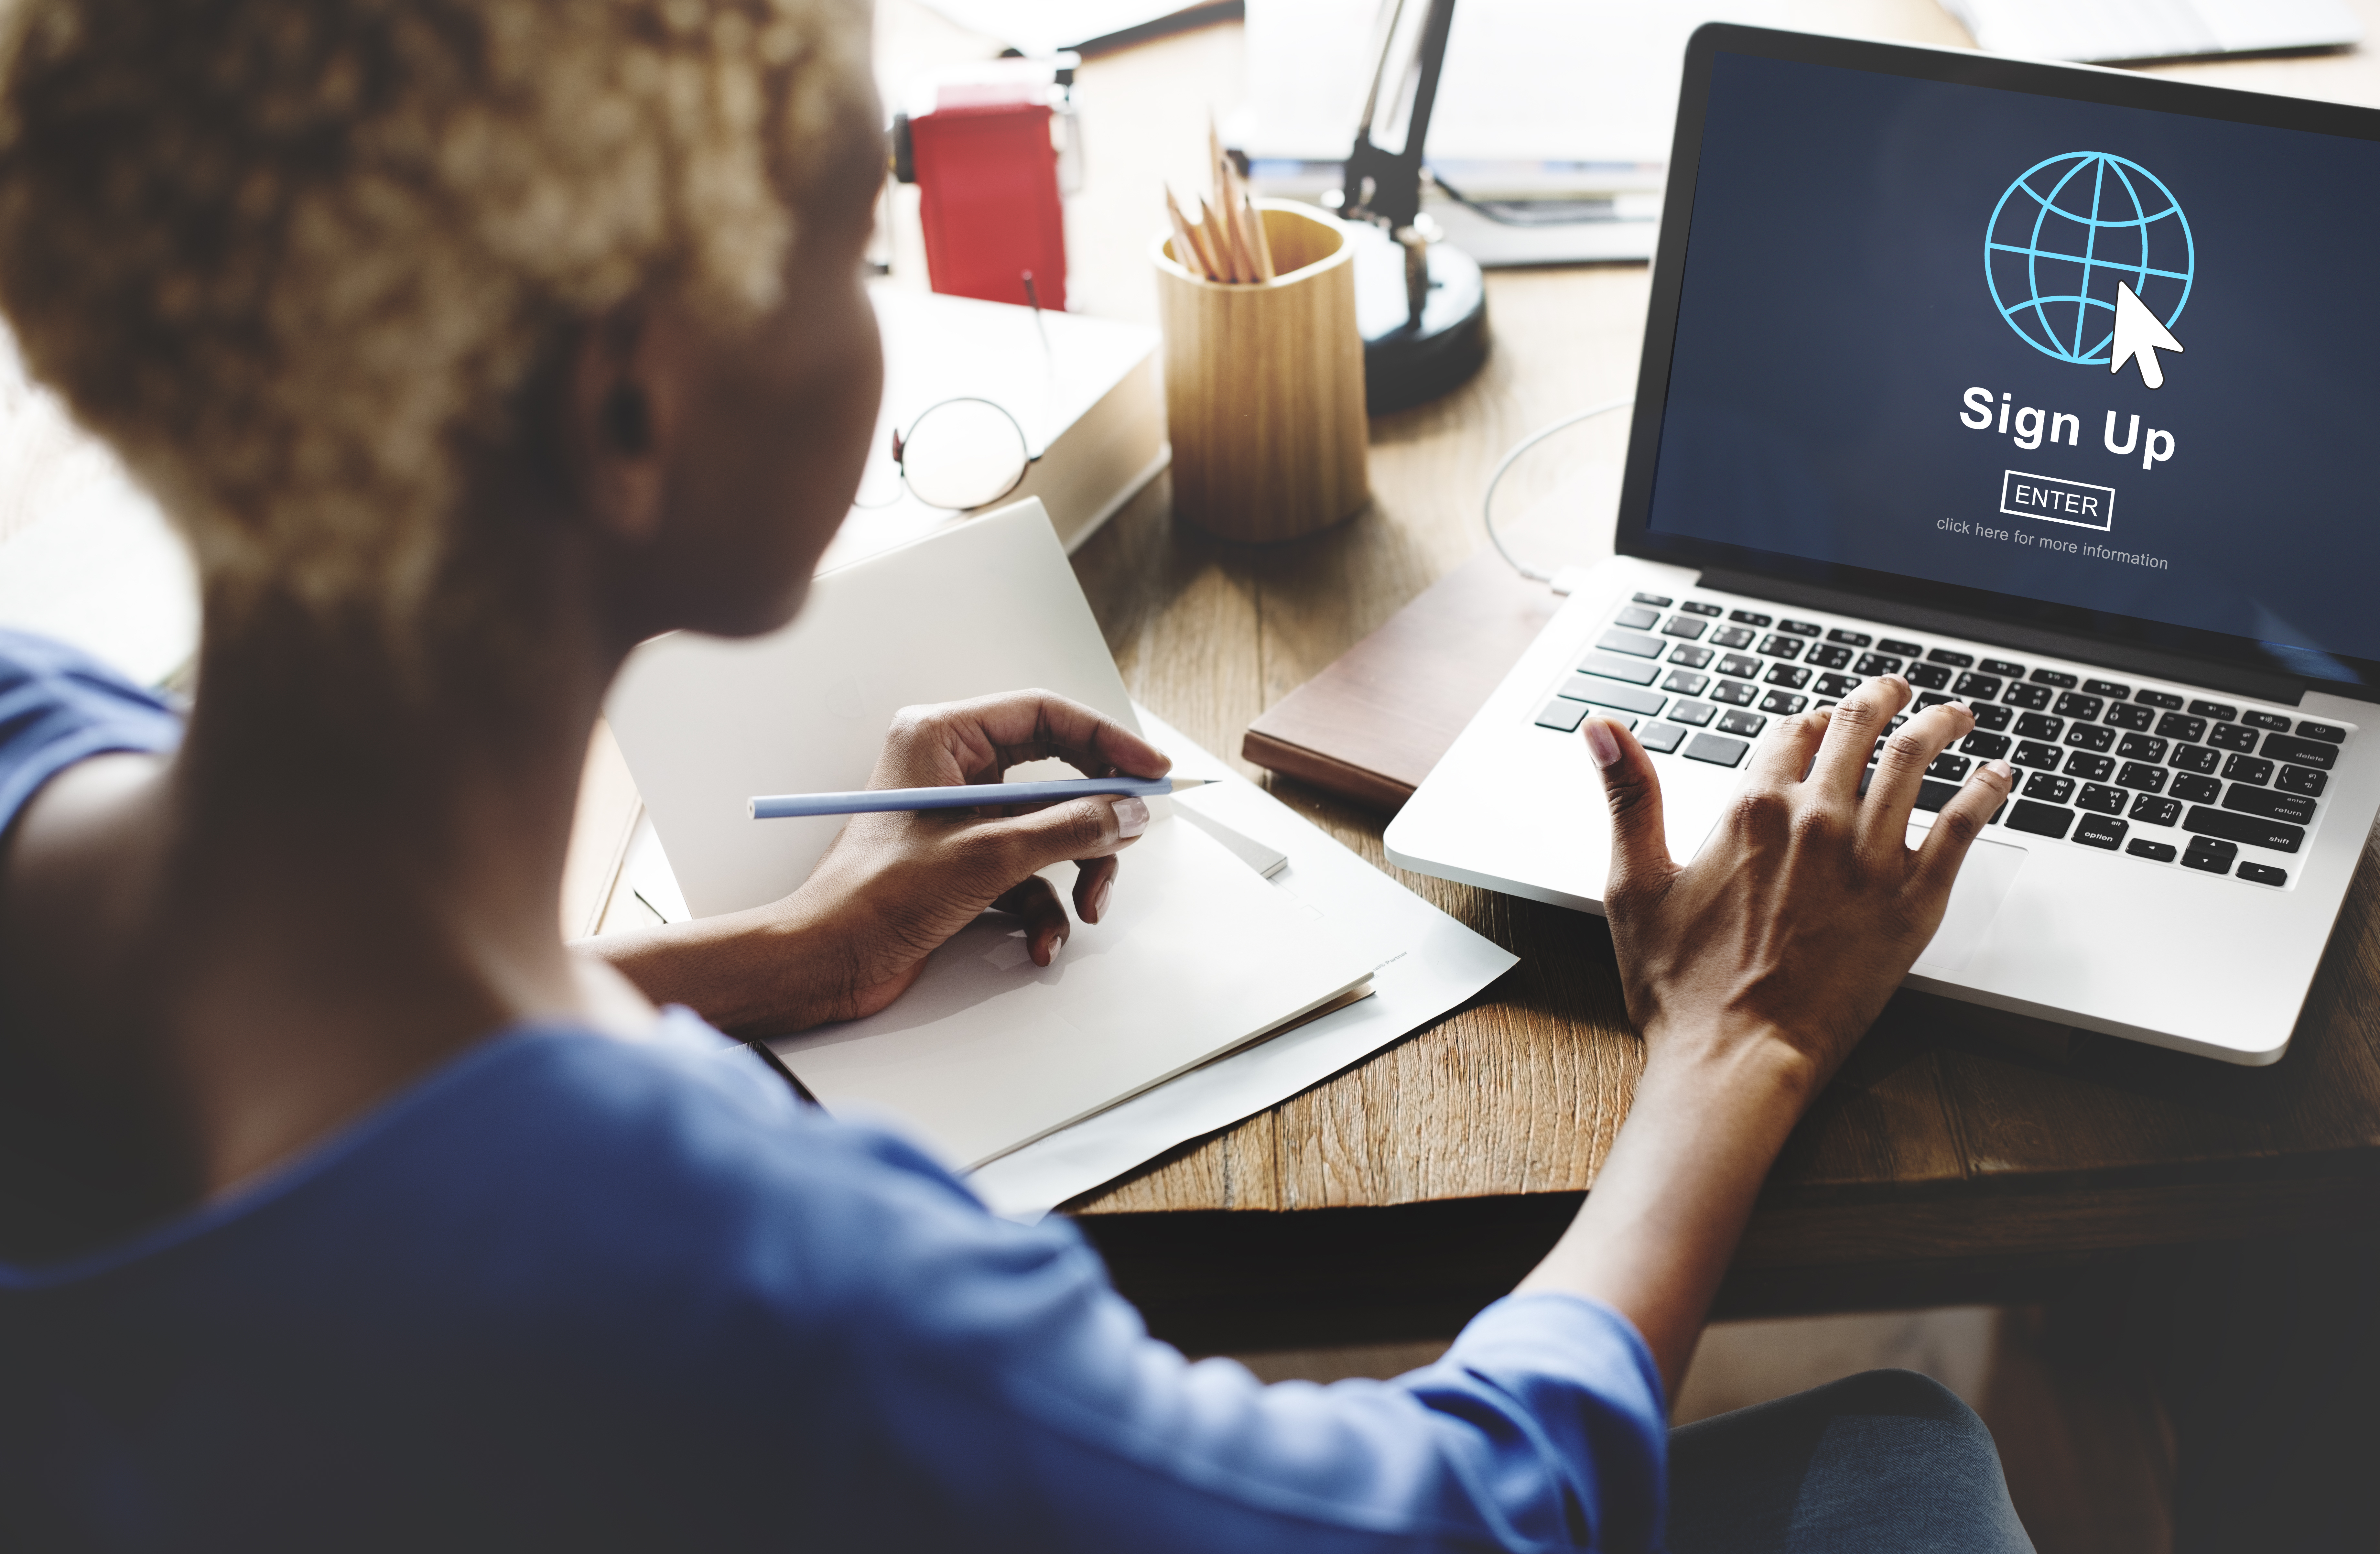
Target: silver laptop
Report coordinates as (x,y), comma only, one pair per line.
(2051,389)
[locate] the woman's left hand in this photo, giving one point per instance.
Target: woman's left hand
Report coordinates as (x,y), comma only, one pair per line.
(896,885)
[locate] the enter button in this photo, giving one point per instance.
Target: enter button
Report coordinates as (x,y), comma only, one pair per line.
(2061,501)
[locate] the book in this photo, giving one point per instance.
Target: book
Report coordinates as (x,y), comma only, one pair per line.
(1086,392)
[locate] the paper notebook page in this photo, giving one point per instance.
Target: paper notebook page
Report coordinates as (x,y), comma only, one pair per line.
(988,1051)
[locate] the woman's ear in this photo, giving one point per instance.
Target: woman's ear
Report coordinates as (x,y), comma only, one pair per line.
(625,388)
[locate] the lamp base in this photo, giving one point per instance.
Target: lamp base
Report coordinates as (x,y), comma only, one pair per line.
(1407,363)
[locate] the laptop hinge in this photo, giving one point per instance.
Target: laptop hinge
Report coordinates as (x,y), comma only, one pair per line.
(2265,684)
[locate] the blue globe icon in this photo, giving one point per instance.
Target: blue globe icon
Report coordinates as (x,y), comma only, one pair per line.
(2067,233)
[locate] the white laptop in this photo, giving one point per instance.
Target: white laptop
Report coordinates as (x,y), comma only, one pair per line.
(2052,389)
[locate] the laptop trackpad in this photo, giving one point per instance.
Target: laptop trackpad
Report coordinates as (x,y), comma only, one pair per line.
(1984,881)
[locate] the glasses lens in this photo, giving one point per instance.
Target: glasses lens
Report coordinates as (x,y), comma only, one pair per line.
(963,453)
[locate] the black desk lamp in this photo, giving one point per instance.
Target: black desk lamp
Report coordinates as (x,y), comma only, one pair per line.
(1420,303)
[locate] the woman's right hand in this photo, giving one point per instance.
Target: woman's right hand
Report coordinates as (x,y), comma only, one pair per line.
(1804,912)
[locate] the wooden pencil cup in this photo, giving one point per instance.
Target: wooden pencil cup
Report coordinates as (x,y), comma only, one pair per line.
(1263,386)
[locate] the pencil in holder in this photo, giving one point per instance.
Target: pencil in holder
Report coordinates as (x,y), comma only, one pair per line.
(1264,384)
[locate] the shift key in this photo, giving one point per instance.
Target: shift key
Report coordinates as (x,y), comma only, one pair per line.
(2248,830)
(1611,692)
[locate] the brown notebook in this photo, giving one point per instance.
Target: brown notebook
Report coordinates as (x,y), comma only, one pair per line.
(1371,725)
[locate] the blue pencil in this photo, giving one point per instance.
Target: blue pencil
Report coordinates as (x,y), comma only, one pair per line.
(778,806)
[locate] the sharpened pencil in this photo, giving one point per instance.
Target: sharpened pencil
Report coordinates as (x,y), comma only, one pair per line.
(780,807)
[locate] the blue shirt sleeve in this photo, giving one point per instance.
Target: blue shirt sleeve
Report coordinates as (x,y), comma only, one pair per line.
(59,705)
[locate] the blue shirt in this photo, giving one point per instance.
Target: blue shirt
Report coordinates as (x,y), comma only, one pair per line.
(569,1292)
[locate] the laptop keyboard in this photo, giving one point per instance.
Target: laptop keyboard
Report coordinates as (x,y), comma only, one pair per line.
(2161,773)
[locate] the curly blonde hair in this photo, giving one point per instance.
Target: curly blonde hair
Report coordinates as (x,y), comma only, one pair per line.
(294,256)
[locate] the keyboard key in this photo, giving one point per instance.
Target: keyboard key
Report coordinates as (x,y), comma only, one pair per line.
(1993,716)
(1716,750)
(1799,628)
(1748,724)
(1981,686)
(1952,657)
(2210,854)
(2039,819)
(2108,689)
(2155,852)
(2151,810)
(2090,736)
(1611,692)
(1748,618)
(2090,768)
(1563,715)
(1932,795)
(2300,780)
(1877,664)
(2131,715)
(2255,831)
(2073,705)
(2050,786)
(2165,700)
(2329,733)
(1792,676)
(2173,725)
(2265,719)
(2002,668)
(1735,693)
(1777,645)
(2231,736)
(2296,809)
(1695,713)
(2221,711)
(2140,774)
(1733,637)
(1988,747)
(1685,682)
(1742,668)
(1691,658)
(1827,656)
(2263,874)
(1837,684)
(2039,725)
(2247,769)
(1931,699)
(1663,738)
(1685,626)
(1930,677)
(2193,758)
(2304,752)
(1636,672)
(1697,607)
(2099,830)
(2046,757)
(1783,703)
(1636,618)
(1634,644)
(2034,697)
(1949,768)
(1895,645)
(1657,600)
(2196,790)
(2057,678)
(2102,799)
(1849,639)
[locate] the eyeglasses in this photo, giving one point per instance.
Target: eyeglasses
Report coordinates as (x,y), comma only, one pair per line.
(961,454)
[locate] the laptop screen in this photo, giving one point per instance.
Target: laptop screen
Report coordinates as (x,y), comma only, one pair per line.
(2118,361)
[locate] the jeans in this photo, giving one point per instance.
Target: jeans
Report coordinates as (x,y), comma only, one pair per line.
(1884,1460)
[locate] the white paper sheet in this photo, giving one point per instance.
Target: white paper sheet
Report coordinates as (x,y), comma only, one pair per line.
(1440,964)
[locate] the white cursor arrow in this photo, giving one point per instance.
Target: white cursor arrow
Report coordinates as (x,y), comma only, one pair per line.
(2138,334)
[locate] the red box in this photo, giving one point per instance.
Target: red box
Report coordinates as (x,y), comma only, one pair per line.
(988,175)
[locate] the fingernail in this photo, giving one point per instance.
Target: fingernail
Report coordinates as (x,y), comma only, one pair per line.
(1132,817)
(1599,742)
(2002,770)
(1100,898)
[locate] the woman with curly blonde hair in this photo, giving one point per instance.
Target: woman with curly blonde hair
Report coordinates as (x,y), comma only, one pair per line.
(341,1205)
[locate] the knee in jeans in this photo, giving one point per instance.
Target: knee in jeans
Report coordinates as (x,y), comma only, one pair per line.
(1904,1394)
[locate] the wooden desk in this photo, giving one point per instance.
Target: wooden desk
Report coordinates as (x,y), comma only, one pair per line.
(1945,1165)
